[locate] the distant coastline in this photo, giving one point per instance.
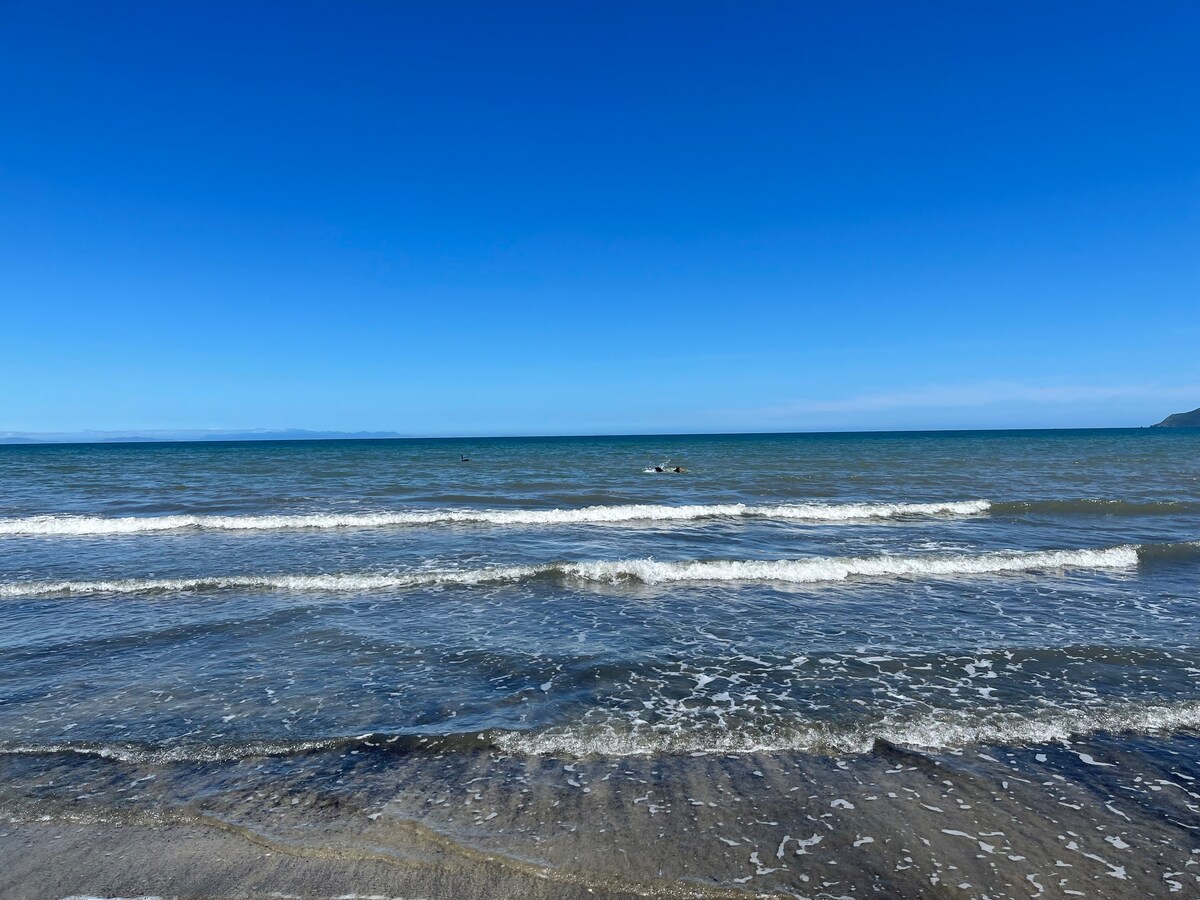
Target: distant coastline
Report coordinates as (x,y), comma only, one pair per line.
(17,438)
(149,437)
(1181,420)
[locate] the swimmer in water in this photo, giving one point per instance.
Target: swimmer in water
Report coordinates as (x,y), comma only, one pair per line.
(677,469)
(658,469)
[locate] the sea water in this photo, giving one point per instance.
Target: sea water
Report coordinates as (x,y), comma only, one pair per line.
(549,600)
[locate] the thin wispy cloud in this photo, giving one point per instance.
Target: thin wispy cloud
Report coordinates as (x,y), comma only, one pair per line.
(976,396)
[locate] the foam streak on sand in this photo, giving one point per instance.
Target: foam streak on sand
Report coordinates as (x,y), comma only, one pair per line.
(590,515)
(645,571)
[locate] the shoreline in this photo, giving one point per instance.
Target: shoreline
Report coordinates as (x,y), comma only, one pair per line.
(1108,816)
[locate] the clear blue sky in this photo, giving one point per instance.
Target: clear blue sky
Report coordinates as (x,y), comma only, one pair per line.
(458,218)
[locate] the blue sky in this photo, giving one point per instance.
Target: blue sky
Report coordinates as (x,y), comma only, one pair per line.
(454,218)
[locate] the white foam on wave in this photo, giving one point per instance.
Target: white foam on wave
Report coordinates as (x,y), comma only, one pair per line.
(353,583)
(936,731)
(589,515)
(818,569)
(814,570)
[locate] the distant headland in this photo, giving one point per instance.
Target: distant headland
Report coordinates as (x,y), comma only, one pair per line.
(1181,420)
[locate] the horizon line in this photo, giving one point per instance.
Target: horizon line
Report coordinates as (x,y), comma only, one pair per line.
(26,439)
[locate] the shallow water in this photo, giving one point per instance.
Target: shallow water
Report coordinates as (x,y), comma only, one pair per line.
(187,610)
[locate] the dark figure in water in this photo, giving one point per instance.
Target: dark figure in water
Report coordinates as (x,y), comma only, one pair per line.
(677,469)
(465,458)
(658,468)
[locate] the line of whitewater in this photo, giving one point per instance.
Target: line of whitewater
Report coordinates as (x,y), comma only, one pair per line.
(589,515)
(932,732)
(812,570)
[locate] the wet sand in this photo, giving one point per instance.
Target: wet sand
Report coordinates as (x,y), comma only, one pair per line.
(1109,817)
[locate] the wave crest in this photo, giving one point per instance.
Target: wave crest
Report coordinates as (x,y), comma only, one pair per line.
(79,526)
(814,570)
(935,731)
(819,569)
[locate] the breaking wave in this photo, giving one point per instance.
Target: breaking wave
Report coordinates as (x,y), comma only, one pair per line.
(818,569)
(935,731)
(590,515)
(813,570)
(353,583)
(816,513)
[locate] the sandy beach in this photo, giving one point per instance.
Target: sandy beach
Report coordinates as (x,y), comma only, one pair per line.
(1111,817)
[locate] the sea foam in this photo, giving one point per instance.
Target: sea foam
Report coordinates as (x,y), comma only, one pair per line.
(590,515)
(818,569)
(933,731)
(813,570)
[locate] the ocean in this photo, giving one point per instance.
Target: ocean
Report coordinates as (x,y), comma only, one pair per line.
(897,664)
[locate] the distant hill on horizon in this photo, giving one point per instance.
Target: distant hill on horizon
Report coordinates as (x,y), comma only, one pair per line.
(124,437)
(1181,420)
